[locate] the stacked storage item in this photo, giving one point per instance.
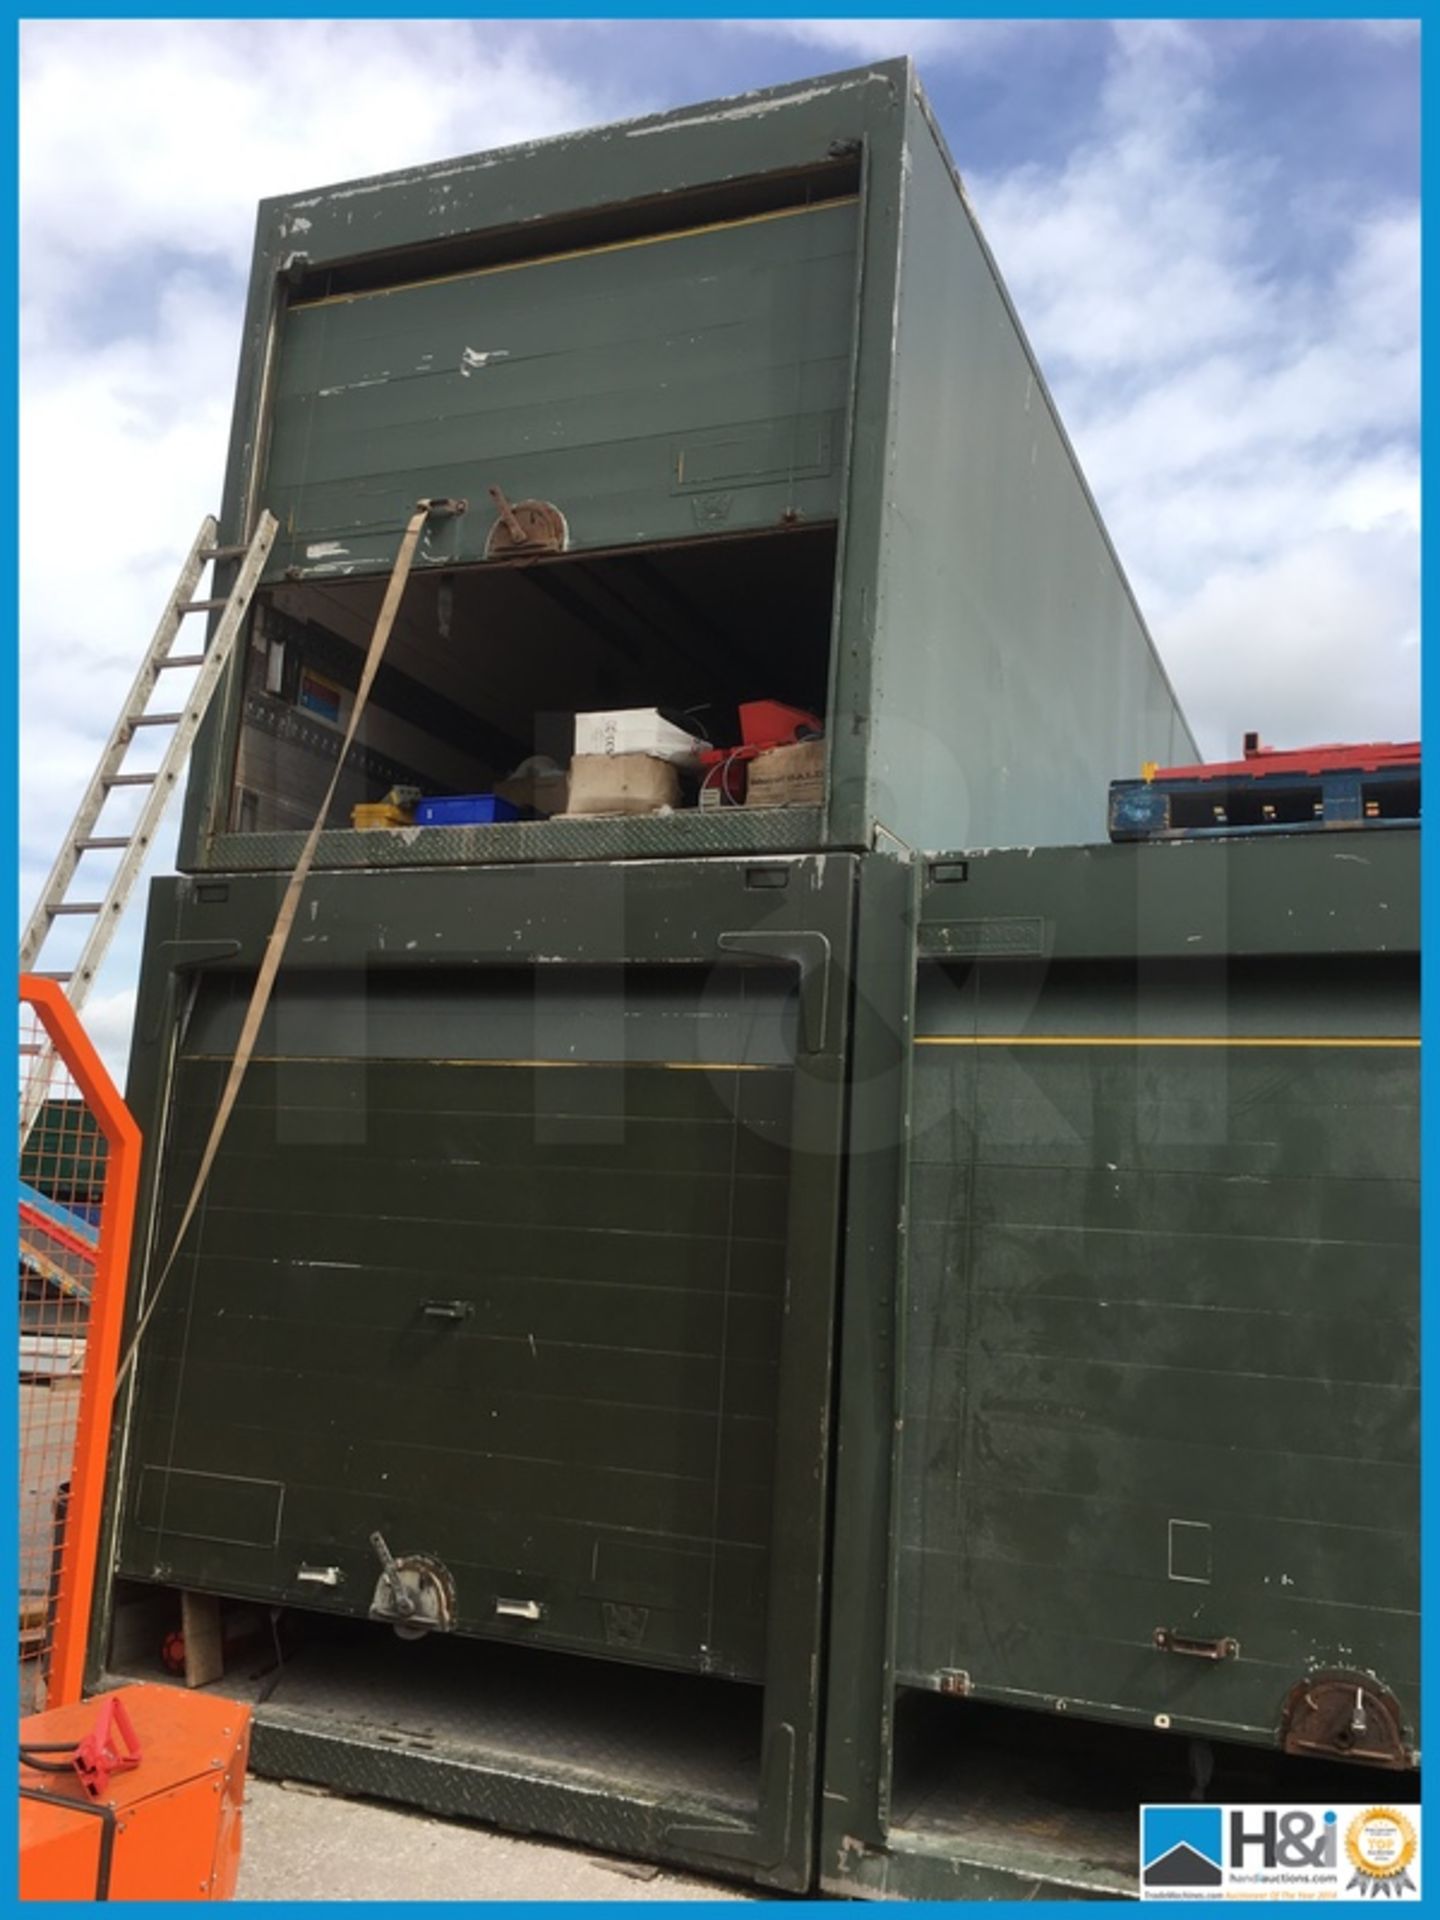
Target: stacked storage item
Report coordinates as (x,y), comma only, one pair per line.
(513,1294)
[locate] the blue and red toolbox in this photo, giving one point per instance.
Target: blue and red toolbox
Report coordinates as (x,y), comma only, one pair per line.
(1298,790)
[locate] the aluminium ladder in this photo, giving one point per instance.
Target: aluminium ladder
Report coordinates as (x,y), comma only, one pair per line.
(133,845)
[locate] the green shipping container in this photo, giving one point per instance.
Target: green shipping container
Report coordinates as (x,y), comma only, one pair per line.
(1130,1412)
(519,1253)
(754,366)
(521,1258)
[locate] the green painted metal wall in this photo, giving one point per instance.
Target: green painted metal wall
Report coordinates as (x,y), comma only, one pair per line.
(596,1434)
(1162,1337)
(521,1250)
(654,389)
(1143,1357)
(1012,673)
(776,424)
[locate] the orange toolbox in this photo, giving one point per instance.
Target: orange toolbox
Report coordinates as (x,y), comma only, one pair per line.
(135,1795)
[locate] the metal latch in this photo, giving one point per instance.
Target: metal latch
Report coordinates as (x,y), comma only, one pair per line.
(1223,1648)
(520,1609)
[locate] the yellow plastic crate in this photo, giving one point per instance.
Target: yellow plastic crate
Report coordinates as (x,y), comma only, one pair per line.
(380,813)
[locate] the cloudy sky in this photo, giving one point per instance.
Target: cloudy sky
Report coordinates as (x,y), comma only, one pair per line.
(1211,232)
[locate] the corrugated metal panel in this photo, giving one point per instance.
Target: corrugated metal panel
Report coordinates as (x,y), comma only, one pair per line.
(596,1435)
(520,1250)
(1142,1351)
(652,389)
(1162,1339)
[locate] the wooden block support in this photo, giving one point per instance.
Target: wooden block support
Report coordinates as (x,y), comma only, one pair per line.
(204,1644)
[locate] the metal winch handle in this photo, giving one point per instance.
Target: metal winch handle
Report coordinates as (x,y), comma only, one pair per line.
(403,1598)
(507,514)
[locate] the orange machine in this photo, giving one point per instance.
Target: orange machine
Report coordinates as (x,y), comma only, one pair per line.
(136,1795)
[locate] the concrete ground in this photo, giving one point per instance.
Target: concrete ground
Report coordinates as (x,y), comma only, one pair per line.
(304,1844)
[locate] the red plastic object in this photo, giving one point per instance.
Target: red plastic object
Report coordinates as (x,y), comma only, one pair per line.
(97,1757)
(1334,757)
(763,724)
(769,723)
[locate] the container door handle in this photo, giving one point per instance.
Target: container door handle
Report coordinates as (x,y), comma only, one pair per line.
(448,1309)
(1222,1648)
(810,953)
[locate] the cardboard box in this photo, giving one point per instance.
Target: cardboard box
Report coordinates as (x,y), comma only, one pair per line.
(621,783)
(635,730)
(537,784)
(788,776)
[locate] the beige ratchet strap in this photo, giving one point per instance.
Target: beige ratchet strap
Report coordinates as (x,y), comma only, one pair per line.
(285,919)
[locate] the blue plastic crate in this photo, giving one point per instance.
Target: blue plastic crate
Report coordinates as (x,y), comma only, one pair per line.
(464,810)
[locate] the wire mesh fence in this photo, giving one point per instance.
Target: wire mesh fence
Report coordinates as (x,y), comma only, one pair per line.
(79,1166)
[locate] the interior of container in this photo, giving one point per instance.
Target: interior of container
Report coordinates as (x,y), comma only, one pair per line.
(686,1742)
(1055,1796)
(488,666)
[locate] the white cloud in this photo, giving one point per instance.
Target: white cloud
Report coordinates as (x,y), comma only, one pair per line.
(108,1020)
(1399,32)
(1326,627)
(1250,435)
(933,41)
(165,134)
(144,148)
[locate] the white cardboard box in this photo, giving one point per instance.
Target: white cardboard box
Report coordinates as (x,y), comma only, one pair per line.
(635,730)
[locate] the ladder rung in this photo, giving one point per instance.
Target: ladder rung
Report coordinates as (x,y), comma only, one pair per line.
(35,1046)
(160,781)
(59,978)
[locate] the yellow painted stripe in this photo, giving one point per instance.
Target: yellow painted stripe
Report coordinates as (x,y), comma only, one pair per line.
(1145,1040)
(415,1060)
(578,253)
